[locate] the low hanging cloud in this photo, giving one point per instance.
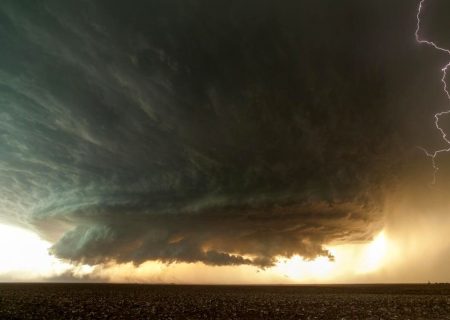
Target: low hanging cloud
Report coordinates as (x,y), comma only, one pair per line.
(221,235)
(189,132)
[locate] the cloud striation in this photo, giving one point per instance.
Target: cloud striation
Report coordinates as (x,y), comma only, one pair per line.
(224,132)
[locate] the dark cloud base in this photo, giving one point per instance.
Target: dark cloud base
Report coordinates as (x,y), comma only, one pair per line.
(222,132)
(216,235)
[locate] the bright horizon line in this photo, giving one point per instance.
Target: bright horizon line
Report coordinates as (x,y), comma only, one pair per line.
(231,284)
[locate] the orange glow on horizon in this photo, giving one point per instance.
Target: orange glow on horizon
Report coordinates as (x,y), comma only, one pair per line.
(350,260)
(25,256)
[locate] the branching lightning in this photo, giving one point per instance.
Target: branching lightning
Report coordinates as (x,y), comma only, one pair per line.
(438,115)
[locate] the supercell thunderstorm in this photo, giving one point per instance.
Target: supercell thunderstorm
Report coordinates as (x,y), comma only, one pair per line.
(188,132)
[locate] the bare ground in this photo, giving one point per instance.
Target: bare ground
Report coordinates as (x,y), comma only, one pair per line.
(115,301)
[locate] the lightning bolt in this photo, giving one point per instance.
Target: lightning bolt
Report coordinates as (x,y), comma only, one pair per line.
(438,115)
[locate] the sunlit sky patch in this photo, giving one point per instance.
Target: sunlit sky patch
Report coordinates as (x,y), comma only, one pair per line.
(24,257)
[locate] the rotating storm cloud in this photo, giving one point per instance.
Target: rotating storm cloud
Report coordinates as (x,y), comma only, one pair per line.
(220,134)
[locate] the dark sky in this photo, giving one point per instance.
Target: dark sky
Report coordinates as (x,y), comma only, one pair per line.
(226,132)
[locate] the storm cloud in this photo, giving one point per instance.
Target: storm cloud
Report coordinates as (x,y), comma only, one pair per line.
(225,132)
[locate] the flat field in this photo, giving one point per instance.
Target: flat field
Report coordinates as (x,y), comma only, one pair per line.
(131,301)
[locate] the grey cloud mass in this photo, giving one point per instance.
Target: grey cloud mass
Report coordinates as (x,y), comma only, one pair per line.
(225,132)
